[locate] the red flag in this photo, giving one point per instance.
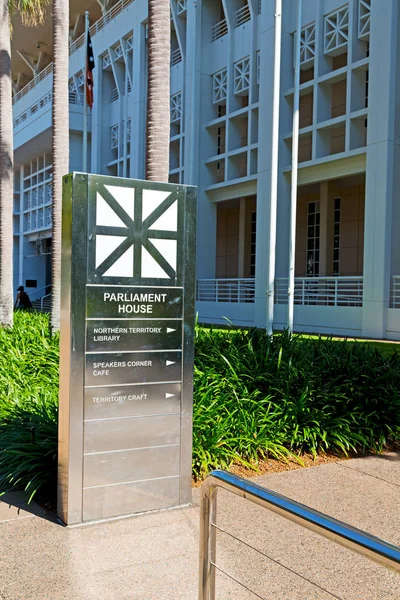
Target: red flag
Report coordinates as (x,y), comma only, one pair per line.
(89,70)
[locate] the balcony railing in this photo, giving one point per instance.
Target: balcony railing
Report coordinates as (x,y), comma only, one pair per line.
(242,15)
(46,99)
(225,290)
(176,57)
(322,291)
(219,30)
(74,45)
(395,292)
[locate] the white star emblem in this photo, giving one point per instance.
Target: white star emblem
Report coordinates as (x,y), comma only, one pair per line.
(136,233)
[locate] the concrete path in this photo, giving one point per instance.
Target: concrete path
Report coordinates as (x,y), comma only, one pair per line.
(155,556)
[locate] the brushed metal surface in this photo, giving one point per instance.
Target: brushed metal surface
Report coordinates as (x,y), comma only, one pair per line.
(133,432)
(143,367)
(129,498)
(130,335)
(132,401)
(128,302)
(72,344)
(128,264)
(130,465)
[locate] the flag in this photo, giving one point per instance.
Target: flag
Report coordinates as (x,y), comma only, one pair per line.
(89,72)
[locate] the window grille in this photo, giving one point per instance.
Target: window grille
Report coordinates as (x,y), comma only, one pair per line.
(241,75)
(181,6)
(364,19)
(118,52)
(313,239)
(129,43)
(307,45)
(336,32)
(114,136)
(220,86)
(81,79)
(176,107)
(106,61)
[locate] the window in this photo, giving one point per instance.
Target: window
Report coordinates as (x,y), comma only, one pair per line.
(241,75)
(253,244)
(258,67)
(313,239)
(336,238)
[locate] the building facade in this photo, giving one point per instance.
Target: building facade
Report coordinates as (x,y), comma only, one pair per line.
(222,54)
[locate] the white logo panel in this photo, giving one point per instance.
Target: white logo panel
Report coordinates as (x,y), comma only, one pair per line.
(136,233)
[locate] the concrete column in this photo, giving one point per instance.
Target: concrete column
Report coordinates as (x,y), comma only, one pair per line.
(263,249)
(192,96)
(381,192)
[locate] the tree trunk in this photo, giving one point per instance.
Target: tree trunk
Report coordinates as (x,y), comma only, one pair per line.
(158,91)
(6,171)
(60,142)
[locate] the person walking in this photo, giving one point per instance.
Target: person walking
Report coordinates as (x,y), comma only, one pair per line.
(23,301)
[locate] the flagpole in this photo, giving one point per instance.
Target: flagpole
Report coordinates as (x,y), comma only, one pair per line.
(295,167)
(85,111)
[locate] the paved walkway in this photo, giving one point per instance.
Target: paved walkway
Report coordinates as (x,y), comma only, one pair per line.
(155,556)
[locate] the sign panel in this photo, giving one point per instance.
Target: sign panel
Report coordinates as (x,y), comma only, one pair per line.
(127,323)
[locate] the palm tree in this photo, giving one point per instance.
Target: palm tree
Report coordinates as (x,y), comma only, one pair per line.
(158,90)
(60,142)
(32,13)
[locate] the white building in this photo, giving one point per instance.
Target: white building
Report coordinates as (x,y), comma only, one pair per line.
(347,248)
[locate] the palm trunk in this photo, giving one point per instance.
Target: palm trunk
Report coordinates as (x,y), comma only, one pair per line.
(158,91)
(6,171)
(60,143)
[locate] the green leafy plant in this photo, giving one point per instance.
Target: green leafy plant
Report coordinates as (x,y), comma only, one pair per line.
(255,397)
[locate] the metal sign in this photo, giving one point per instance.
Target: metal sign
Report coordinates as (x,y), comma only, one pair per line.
(127,332)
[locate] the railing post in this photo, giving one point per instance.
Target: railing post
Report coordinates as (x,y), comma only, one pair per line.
(216,291)
(208,543)
(303,282)
(336,291)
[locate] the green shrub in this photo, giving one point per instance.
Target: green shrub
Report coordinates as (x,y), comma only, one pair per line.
(28,405)
(255,396)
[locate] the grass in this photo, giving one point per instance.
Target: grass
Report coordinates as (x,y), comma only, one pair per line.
(255,397)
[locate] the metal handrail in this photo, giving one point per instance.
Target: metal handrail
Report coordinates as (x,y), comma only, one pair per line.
(354,539)
(42,300)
